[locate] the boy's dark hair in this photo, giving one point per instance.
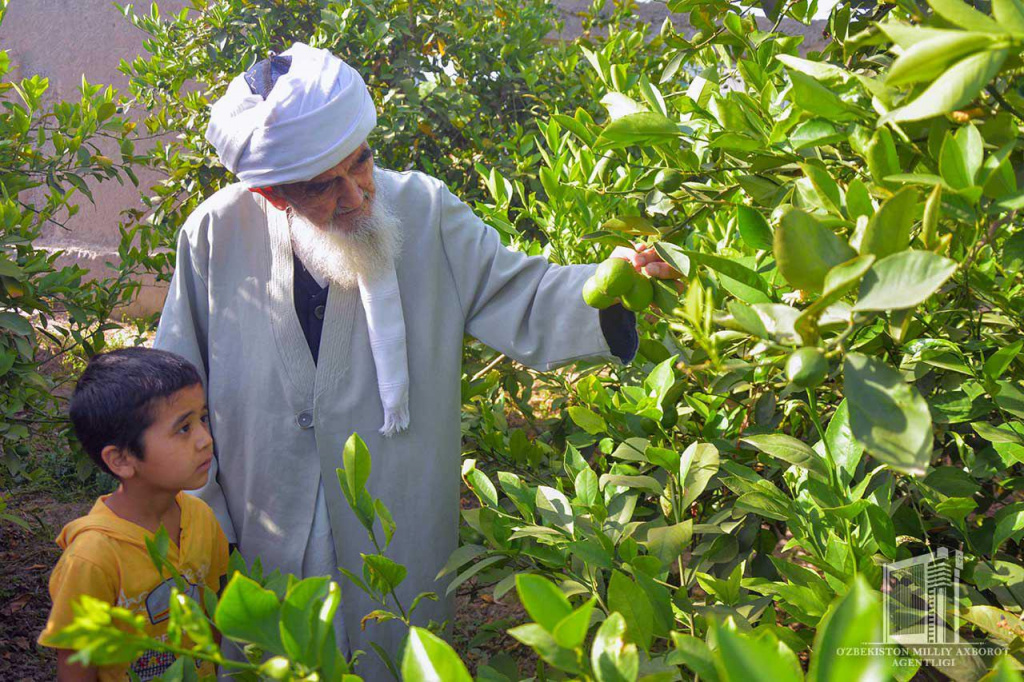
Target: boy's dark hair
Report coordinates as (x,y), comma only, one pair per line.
(113,401)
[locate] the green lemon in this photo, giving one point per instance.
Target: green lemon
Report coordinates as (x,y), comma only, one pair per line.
(593,297)
(615,277)
(277,668)
(640,296)
(668,180)
(807,367)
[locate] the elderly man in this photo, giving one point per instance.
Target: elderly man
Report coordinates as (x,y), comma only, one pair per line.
(323,297)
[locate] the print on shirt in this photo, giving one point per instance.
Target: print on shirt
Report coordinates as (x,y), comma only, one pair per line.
(158,601)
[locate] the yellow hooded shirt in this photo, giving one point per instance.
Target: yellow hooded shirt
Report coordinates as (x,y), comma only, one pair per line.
(105,557)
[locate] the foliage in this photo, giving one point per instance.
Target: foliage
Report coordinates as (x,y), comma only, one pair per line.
(455,83)
(862,202)
(698,513)
(51,152)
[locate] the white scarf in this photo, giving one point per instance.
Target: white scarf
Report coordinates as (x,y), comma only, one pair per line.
(386,323)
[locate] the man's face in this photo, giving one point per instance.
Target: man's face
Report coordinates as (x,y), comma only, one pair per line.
(335,199)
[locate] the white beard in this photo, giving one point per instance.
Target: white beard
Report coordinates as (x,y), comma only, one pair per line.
(367,250)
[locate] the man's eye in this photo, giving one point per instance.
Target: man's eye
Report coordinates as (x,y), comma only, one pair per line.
(317,188)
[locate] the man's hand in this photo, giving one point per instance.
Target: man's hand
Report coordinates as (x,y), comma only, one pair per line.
(647,261)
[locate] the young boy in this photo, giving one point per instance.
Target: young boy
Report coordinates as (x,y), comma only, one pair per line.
(141,415)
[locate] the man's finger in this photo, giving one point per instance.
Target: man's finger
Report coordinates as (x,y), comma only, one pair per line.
(661,270)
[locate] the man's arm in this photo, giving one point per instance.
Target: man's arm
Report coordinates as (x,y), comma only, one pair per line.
(184,328)
(531,310)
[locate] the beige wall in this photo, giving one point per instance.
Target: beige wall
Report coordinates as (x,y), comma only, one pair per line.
(64,39)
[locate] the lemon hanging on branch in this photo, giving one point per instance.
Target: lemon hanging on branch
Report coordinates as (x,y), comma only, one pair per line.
(807,367)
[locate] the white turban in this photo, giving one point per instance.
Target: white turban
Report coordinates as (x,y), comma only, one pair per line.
(314,116)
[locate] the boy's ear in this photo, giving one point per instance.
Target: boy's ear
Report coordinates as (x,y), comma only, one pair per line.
(120,461)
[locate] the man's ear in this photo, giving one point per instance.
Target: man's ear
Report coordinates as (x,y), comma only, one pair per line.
(119,460)
(271,195)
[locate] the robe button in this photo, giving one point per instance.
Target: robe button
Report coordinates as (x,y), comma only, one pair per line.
(319,312)
(305,419)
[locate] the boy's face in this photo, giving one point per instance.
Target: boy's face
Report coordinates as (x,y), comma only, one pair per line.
(177,446)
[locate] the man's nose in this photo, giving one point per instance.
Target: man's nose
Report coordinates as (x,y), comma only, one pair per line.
(352,195)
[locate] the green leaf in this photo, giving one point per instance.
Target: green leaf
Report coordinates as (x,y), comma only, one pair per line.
(883,531)
(964,16)
(630,225)
(644,128)
(805,250)
(1009,14)
(887,415)
(668,542)
(880,154)
(298,619)
(815,133)
(697,465)
(542,599)
(726,266)
(9,268)
(382,573)
(754,228)
(825,187)
(554,508)
(586,486)
(790,450)
(763,504)
(428,658)
(956,88)
(613,658)
(852,622)
(571,631)
(846,451)
(15,323)
(751,657)
(544,644)
(903,280)
(629,599)
(588,420)
(858,200)
(928,59)
(356,459)
(888,230)
(812,96)
(249,613)
(999,361)
(960,157)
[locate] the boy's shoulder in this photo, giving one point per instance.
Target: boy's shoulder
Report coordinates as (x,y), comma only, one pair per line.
(93,537)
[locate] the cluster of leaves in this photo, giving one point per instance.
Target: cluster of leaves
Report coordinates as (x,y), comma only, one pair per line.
(456,84)
(861,202)
(50,154)
(699,513)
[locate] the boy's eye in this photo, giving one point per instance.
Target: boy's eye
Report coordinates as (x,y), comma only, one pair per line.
(184,429)
(205,419)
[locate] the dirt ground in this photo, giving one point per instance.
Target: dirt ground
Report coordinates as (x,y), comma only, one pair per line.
(28,556)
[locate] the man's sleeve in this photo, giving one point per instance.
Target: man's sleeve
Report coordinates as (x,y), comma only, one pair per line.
(529,309)
(73,577)
(184,325)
